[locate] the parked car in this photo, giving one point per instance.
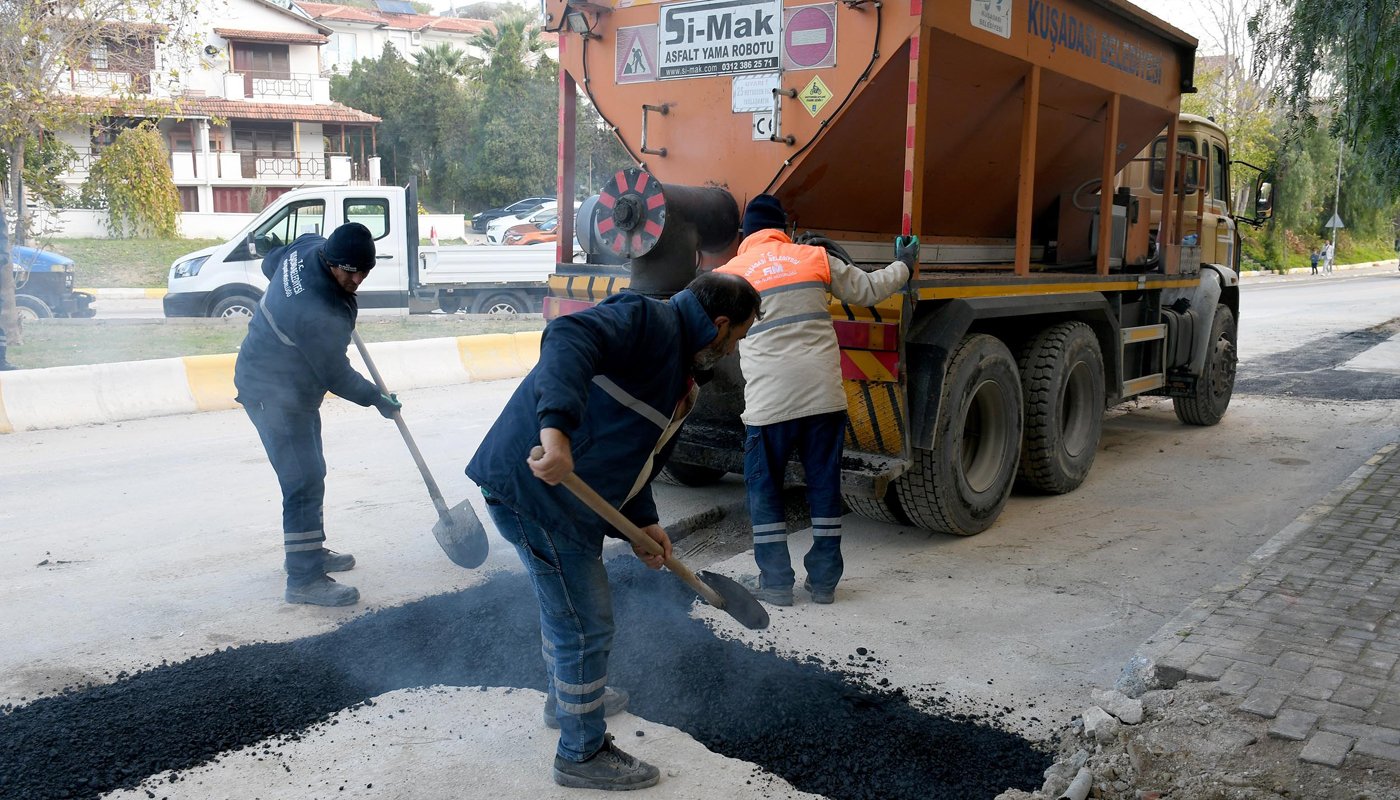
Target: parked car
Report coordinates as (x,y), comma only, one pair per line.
(44,285)
(542,230)
(481,221)
(496,231)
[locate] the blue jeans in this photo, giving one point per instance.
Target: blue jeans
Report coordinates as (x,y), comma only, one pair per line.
(292,439)
(818,439)
(576,623)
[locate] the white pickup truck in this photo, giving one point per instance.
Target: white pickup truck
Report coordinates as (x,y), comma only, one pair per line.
(227,281)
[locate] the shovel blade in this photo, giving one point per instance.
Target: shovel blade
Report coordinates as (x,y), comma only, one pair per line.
(461,536)
(739,602)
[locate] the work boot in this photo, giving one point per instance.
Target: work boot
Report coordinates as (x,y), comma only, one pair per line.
(323,591)
(609,769)
(772,595)
(614,701)
(331,561)
(823,596)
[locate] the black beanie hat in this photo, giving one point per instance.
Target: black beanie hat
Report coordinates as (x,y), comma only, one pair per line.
(351,246)
(764,211)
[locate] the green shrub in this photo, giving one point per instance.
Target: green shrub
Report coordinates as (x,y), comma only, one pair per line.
(132,179)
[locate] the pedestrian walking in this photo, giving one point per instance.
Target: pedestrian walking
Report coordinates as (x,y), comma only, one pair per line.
(612,386)
(1314,256)
(1328,253)
(793,397)
(293,355)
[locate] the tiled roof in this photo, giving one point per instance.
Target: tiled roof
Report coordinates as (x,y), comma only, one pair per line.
(228,109)
(329,12)
(281,37)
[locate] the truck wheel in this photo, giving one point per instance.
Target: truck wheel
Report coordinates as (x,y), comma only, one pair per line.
(30,308)
(1207,403)
(234,307)
(689,475)
(1063,384)
(881,510)
(502,304)
(961,485)
(449,303)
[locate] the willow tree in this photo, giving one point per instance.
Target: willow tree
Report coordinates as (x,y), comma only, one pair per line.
(1341,57)
(44,46)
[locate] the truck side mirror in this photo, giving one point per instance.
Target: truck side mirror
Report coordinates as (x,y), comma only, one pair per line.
(251,245)
(1264,201)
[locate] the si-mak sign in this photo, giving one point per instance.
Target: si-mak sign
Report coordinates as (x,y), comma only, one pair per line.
(719,37)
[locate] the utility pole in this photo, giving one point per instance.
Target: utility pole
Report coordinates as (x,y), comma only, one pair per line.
(1337,196)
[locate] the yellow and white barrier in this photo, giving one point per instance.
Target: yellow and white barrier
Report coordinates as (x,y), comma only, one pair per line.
(60,397)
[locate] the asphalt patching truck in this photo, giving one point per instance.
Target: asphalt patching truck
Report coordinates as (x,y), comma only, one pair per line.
(1073,257)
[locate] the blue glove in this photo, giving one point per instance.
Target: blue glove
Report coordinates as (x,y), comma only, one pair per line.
(388,405)
(906,249)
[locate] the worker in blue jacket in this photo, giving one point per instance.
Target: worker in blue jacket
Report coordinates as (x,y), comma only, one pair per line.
(612,387)
(294,353)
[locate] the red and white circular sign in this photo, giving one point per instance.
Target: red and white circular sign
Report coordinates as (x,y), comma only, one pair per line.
(809,37)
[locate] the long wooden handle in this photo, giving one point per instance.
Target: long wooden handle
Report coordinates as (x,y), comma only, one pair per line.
(433,490)
(629,529)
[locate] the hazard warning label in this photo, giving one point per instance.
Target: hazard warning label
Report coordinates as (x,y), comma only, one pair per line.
(814,96)
(636,54)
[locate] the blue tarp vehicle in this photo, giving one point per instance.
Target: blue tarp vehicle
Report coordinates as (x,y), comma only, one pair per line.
(44,285)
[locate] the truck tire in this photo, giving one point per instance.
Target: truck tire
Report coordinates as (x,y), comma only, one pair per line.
(29,308)
(689,475)
(235,306)
(449,303)
(881,510)
(501,304)
(1207,403)
(961,486)
(1062,381)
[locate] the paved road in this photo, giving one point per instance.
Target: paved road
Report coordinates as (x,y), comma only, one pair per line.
(157,540)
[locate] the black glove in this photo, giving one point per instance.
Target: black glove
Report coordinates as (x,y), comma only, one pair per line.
(906,249)
(388,405)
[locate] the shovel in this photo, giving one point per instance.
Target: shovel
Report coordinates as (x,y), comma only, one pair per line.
(458,531)
(719,591)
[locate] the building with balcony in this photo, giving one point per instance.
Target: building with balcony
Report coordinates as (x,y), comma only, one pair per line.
(358,33)
(249,119)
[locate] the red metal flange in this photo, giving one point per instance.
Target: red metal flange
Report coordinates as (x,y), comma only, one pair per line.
(633,213)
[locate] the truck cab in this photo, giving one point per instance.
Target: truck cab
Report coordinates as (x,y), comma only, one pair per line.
(227,281)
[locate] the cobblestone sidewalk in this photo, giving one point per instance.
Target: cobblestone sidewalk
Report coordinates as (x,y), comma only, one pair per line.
(1309,637)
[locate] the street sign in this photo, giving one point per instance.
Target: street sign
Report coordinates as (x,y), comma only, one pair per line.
(1335,221)
(809,37)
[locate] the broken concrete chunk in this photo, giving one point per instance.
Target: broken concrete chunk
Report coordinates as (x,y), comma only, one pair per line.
(1094,718)
(1127,710)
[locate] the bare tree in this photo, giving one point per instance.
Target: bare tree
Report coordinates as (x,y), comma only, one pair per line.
(136,46)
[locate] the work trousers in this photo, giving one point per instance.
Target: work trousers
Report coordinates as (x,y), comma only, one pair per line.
(292,439)
(576,623)
(818,440)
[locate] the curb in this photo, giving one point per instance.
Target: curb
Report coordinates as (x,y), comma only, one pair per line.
(126,294)
(1255,273)
(61,397)
(1150,665)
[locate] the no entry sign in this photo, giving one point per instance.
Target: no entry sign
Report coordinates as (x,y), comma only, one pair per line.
(809,37)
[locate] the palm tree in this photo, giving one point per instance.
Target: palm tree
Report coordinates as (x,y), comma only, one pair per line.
(520,24)
(444,59)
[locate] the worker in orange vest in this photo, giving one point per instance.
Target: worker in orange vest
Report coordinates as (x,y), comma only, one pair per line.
(793,397)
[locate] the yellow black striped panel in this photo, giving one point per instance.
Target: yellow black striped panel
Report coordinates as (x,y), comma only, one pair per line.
(586,287)
(875,417)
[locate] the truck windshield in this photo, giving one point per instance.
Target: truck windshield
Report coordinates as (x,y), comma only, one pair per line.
(297,218)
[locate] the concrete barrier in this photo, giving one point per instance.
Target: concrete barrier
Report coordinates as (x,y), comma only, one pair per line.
(60,397)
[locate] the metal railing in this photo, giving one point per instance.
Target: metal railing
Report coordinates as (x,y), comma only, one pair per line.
(262,83)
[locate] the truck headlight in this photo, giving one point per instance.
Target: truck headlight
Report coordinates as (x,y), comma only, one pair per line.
(188,269)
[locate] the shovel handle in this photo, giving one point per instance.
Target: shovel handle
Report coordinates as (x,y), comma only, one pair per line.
(634,534)
(433,490)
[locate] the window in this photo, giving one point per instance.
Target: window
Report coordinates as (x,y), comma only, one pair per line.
(1184,144)
(1219,174)
(344,48)
(97,56)
(305,217)
(373,213)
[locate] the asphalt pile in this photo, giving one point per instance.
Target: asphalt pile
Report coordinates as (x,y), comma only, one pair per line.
(824,730)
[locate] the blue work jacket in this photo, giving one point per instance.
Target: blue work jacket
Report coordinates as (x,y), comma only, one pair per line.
(295,348)
(611,377)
